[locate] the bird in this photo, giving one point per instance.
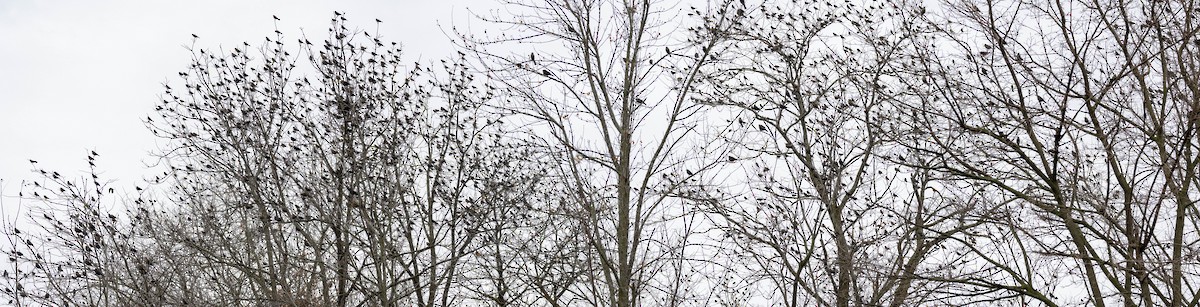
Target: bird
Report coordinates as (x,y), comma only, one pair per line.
(377,20)
(32,161)
(195,36)
(276,17)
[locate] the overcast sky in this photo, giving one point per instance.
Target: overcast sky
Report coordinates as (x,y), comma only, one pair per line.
(80,75)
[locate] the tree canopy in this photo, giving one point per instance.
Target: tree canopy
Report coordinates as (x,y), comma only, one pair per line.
(649,153)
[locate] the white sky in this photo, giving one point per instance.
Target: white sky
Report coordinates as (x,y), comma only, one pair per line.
(80,75)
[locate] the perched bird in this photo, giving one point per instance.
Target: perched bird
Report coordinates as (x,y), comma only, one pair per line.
(31,161)
(276,17)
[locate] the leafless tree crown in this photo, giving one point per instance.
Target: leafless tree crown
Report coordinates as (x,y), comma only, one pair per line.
(650,153)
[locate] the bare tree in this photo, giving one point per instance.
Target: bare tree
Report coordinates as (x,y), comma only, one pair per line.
(1080,115)
(79,248)
(323,175)
(601,153)
(596,83)
(827,218)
